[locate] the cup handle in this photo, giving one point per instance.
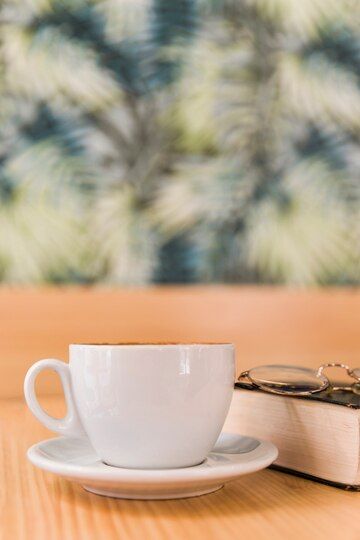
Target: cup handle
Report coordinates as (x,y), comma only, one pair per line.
(70,425)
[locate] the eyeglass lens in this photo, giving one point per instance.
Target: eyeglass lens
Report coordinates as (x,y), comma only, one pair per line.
(287,379)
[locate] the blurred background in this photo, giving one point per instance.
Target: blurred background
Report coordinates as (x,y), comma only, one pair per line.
(211,143)
(154,141)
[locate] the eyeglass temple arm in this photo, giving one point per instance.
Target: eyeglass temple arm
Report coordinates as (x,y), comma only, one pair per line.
(244,375)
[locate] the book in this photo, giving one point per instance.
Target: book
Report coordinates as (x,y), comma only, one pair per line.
(318,436)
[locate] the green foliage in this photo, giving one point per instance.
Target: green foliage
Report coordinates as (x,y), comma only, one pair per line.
(211,140)
(284,109)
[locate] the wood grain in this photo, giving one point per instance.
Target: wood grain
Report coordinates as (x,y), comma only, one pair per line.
(267,325)
(267,505)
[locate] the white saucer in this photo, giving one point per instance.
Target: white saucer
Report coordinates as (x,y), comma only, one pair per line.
(74,459)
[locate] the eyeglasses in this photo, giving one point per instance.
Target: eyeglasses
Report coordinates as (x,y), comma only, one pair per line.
(297,381)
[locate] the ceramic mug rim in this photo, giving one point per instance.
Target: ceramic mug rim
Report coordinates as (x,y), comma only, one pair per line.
(152,344)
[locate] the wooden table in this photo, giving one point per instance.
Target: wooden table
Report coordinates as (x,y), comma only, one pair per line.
(266,505)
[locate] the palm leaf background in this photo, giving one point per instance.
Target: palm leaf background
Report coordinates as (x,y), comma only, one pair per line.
(198,140)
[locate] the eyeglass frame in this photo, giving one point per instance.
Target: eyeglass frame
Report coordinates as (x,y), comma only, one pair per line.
(327,385)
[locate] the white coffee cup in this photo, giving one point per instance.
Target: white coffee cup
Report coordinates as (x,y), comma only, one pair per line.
(145,406)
